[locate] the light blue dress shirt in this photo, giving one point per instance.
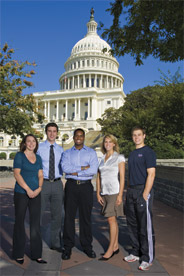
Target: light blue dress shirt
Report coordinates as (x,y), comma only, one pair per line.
(73,159)
(44,152)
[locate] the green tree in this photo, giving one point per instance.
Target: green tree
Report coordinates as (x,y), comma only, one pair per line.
(2,155)
(158,109)
(17,112)
(12,155)
(151,28)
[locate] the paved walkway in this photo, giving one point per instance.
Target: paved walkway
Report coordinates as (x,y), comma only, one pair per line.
(168,224)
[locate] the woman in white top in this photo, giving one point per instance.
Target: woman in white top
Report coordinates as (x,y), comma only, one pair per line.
(110,186)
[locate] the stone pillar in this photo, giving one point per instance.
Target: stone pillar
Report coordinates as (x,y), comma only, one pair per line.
(107,82)
(94,108)
(89,109)
(73,82)
(84,81)
(79,111)
(57,111)
(66,110)
(75,109)
(45,109)
(78,83)
(49,110)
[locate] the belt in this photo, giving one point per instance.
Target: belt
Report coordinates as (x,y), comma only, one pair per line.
(49,180)
(137,187)
(79,182)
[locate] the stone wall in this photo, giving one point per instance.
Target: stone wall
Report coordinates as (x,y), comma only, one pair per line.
(169,186)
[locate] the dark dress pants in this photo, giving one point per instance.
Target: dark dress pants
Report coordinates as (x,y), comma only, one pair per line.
(52,193)
(22,202)
(78,197)
(140,225)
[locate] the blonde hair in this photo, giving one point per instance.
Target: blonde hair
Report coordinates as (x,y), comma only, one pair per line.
(113,139)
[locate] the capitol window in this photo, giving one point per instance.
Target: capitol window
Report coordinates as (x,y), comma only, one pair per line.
(93,62)
(108,102)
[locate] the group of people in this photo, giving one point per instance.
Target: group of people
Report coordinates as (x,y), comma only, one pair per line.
(38,170)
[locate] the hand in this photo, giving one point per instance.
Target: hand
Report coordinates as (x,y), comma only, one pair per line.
(75,173)
(36,192)
(100,200)
(30,193)
(145,196)
(85,167)
(119,200)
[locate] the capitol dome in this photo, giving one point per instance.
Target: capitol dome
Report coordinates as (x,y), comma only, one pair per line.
(92,41)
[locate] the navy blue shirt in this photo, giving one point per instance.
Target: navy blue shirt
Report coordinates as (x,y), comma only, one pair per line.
(138,162)
(28,171)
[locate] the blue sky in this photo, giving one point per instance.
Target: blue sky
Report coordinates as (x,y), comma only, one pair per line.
(46,31)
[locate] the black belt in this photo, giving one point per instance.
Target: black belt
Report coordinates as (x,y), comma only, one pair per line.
(56,179)
(79,182)
(137,187)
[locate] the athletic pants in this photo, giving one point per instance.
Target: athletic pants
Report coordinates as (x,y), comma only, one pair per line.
(78,197)
(22,202)
(139,221)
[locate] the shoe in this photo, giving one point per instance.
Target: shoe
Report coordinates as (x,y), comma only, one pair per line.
(19,261)
(106,259)
(58,249)
(90,253)
(40,261)
(144,266)
(66,255)
(131,258)
(116,251)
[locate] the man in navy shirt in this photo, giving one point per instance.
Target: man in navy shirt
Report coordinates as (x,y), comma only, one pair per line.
(139,200)
(79,164)
(52,190)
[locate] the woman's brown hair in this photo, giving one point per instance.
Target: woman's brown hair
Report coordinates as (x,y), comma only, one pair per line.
(113,139)
(23,146)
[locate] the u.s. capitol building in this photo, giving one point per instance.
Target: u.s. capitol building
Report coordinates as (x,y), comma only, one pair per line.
(90,84)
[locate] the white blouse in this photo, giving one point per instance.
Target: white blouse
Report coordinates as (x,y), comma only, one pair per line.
(109,173)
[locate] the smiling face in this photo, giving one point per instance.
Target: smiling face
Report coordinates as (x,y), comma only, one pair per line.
(79,139)
(109,145)
(30,143)
(51,134)
(138,137)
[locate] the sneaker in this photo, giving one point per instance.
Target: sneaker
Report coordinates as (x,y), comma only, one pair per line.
(144,266)
(131,258)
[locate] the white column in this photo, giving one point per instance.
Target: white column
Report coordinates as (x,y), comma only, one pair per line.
(94,108)
(78,81)
(84,82)
(57,111)
(112,82)
(73,82)
(107,81)
(95,81)
(66,110)
(79,115)
(100,81)
(89,109)
(75,109)
(45,109)
(49,110)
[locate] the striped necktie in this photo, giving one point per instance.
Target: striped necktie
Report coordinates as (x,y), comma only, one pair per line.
(51,164)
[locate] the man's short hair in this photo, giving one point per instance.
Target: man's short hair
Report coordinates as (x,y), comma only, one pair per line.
(51,125)
(138,128)
(79,129)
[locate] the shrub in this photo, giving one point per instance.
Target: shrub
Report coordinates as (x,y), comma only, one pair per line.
(3,155)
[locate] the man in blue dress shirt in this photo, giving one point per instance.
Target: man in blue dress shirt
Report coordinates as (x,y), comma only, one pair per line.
(52,189)
(80,164)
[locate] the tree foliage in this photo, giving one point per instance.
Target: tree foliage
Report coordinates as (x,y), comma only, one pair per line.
(17,112)
(158,109)
(151,28)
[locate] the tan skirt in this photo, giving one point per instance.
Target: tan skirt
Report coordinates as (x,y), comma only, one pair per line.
(110,209)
